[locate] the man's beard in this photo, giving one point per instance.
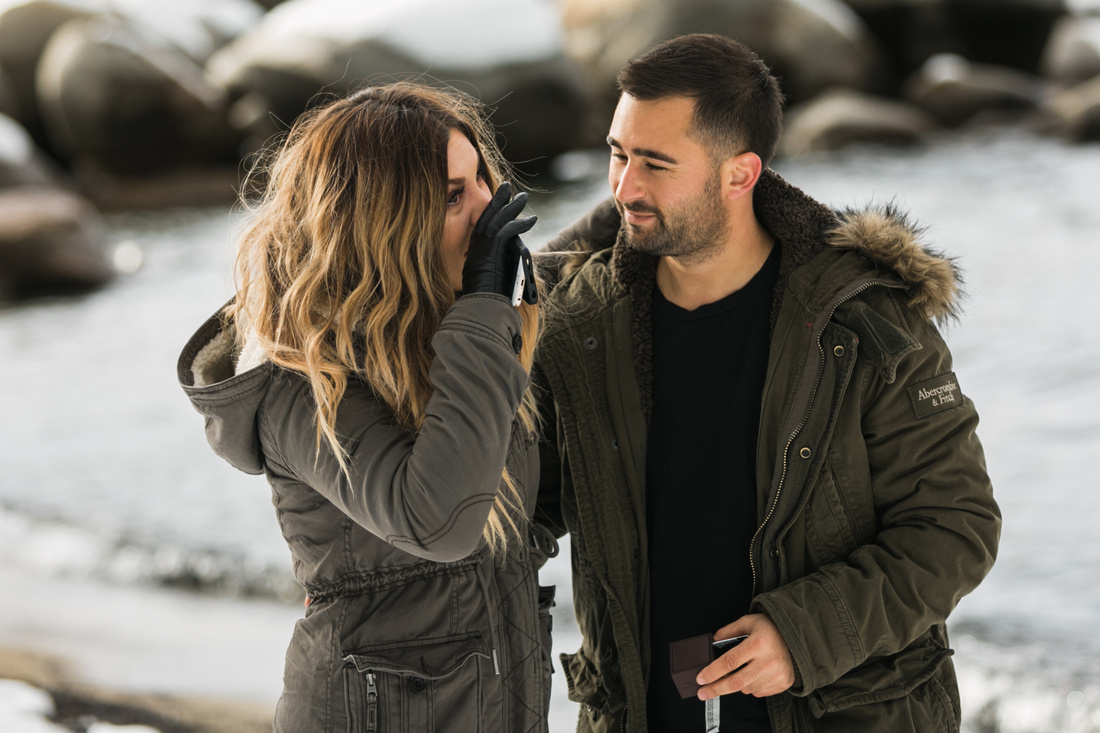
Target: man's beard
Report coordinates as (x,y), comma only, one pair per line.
(692,232)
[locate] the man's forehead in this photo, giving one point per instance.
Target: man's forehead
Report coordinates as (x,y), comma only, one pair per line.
(658,125)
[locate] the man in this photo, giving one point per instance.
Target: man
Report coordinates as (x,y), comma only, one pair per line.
(755,429)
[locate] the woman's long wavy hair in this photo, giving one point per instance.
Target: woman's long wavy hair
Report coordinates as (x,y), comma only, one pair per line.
(340,273)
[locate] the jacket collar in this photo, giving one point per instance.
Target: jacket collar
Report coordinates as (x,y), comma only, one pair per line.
(803,228)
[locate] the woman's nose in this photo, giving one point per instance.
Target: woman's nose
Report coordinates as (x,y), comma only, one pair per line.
(479,200)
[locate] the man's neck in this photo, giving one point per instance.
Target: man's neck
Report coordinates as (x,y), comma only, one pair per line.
(690,283)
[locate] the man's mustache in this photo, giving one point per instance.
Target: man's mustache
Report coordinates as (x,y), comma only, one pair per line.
(636,207)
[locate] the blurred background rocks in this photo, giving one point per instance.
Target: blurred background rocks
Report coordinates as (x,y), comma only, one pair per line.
(132,104)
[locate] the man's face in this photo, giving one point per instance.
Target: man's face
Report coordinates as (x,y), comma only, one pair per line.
(665,184)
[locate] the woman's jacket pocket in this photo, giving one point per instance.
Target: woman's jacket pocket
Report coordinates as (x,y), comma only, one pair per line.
(438,685)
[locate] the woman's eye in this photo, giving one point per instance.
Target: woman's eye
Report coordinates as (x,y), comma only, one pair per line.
(455,196)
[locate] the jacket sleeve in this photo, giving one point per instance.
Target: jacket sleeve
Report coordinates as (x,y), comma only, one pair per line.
(937,530)
(428,494)
(594,231)
(548,505)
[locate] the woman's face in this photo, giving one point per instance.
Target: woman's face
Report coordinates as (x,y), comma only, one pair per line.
(467,196)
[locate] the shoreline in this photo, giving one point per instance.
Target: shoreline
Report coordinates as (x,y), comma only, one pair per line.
(127,655)
(79,702)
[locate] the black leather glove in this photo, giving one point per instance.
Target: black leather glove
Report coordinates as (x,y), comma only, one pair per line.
(496,253)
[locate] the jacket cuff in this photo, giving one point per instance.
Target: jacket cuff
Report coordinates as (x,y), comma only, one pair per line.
(488,315)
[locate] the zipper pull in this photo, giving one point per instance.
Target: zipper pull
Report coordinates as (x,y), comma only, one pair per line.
(496,662)
(372,702)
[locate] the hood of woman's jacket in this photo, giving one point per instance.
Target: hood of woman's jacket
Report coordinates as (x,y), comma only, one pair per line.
(207,371)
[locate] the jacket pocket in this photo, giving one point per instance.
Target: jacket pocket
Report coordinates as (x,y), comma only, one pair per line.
(586,685)
(423,685)
(831,530)
(882,679)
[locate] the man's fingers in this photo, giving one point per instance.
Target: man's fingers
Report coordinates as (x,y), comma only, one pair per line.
(727,685)
(722,666)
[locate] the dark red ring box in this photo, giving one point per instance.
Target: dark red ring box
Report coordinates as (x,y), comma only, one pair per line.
(687,659)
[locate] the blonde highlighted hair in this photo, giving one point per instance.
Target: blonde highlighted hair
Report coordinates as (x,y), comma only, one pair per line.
(340,273)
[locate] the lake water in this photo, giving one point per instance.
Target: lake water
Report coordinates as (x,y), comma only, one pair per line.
(106,479)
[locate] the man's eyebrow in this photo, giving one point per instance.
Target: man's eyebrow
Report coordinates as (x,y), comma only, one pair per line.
(644,152)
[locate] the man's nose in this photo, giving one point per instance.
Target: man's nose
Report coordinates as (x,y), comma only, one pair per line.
(624,185)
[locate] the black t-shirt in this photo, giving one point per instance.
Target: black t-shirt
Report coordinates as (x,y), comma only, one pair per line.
(709,366)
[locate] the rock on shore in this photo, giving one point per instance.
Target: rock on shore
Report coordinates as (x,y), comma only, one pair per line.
(839,117)
(112,96)
(50,238)
(810,44)
(507,54)
(166,91)
(20,162)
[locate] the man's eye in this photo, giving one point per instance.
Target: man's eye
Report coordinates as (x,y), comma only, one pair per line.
(653,167)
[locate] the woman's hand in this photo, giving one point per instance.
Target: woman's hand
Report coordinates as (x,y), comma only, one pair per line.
(496,250)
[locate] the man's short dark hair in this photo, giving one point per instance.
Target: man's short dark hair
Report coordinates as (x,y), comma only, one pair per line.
(738,105)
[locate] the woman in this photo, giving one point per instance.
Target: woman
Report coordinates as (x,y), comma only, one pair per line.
(392,417)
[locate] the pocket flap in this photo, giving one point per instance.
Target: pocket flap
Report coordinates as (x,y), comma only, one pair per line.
(885,678)
(431,659)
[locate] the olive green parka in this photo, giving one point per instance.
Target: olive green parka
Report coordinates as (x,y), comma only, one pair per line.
(876,513)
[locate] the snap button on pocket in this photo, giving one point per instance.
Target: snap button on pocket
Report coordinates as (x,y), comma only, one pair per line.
(590,343)
(839,351)
(774,552)
(805,452)
(417,684)
(517,343)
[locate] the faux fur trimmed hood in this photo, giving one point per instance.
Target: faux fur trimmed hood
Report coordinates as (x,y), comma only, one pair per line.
(884,234)
(804,229)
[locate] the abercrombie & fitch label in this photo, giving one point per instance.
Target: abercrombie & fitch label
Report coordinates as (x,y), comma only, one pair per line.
(936,395)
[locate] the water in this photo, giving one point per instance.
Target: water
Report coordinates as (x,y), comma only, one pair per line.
(106,476)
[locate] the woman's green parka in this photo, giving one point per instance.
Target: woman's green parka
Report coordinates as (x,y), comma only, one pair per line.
(876,514)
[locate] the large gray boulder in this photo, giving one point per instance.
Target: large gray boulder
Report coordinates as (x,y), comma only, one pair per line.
(20,162)
(25,29)
(113,98)
(507,53)
(840,117)
(1009,33)
(8,104)
(1073,52)
(955,90)
(49,239)
(195,28)
(1075,113)
(810,44)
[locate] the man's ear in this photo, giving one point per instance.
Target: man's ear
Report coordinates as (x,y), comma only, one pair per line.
(739,174)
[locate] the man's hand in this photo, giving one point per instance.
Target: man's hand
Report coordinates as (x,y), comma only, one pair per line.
(759,666)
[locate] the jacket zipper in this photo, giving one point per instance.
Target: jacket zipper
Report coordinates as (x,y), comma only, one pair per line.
(372,702)
(806,416)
